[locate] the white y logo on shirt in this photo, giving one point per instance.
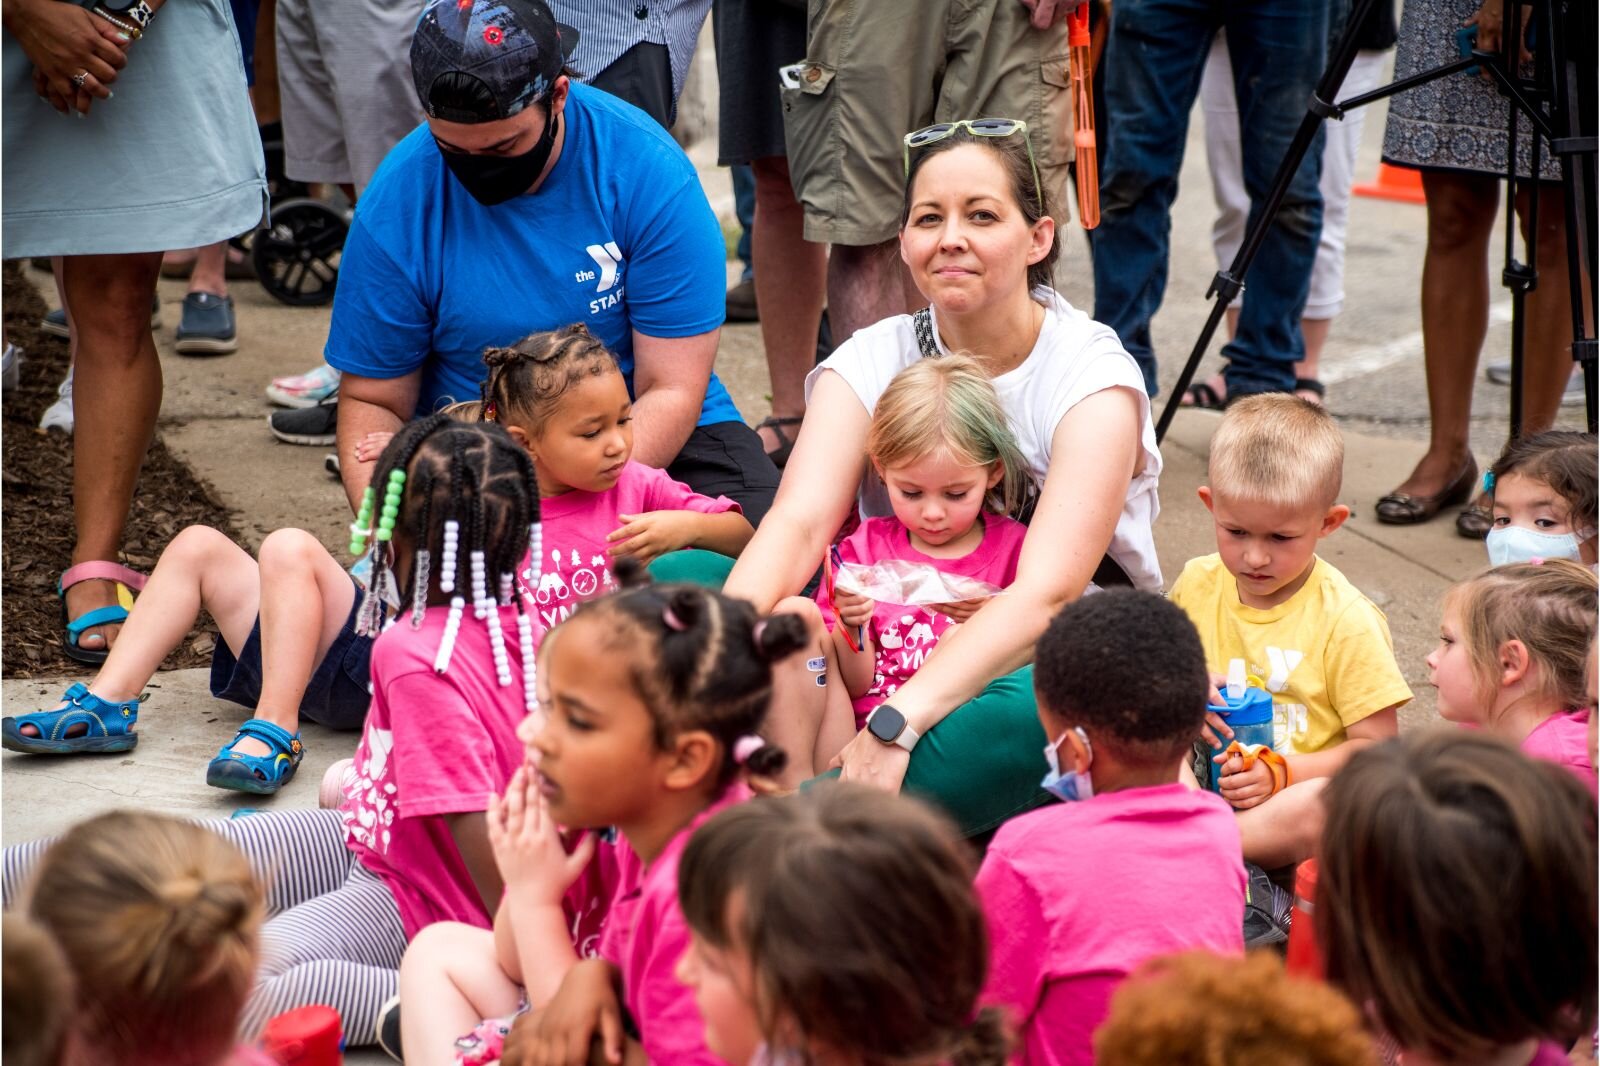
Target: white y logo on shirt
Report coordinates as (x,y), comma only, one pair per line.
(608,257)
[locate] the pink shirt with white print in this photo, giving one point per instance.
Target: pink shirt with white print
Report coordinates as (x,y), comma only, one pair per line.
(905,636)
(575,525)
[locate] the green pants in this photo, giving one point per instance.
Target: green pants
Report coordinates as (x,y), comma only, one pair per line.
(981,764)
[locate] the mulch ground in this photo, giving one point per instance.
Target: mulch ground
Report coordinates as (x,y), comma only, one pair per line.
(36,520)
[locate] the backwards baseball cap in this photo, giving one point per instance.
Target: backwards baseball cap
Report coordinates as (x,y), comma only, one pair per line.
(484,60)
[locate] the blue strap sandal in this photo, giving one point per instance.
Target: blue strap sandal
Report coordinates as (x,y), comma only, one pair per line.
(109,726)
(127,582)
(261,774)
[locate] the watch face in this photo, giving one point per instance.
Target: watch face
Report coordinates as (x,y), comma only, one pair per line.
(886,723)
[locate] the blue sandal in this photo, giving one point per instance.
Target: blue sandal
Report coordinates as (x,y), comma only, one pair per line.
(110,726)
(261,774)
(127,582)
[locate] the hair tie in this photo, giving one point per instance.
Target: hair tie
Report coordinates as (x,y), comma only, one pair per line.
(672,621)
(759,628)
(489,411)
(1537,560)
(1488,481)
(745,747)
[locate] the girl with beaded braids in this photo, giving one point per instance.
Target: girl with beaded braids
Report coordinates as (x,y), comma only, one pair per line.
(561,395)
(452,679)
(652,702)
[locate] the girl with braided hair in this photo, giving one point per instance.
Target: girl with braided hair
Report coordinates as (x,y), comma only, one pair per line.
(561,395)
(453,514)
(652,700)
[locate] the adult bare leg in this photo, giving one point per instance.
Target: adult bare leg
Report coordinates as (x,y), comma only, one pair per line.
(1548,341)
(116,397)
(866,283)
(791,277)
(1455,317)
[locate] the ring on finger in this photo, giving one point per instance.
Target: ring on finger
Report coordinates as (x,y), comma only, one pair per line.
(79,78)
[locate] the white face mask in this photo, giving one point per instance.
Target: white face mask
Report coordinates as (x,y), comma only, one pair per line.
(1515,544)
(1074,784)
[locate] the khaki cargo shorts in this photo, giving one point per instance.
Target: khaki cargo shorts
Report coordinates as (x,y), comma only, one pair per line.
(877,69)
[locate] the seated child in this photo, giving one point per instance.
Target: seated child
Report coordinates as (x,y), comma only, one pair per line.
(293,610)
(1513,658)
(37,996)
(561,395)
(1293,621)
(953,473)
(791,964)
(1457,900)
(1543,488)
(158,920)
(655,698)
(1134,864)
(346,889)
(1199,1009)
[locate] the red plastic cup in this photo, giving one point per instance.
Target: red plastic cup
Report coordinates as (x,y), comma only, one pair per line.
(308,1036)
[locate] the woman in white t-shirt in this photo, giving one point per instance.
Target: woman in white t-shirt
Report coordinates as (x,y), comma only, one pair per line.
(980,244)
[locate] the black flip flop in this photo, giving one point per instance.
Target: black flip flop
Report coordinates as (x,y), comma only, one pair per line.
(780,454)
(1204,397)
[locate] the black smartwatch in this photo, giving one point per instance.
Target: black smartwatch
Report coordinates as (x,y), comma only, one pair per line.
(889,726)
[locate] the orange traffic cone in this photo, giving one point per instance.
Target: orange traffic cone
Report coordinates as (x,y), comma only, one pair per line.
(1394,183)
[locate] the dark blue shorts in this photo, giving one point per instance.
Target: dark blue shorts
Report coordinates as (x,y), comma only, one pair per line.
(337,696)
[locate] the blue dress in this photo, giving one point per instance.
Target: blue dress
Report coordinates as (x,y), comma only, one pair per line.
(173,160)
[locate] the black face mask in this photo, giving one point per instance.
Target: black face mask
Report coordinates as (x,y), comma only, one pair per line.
(494,179)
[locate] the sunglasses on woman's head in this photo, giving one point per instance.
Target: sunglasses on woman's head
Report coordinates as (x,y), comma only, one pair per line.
(978,127)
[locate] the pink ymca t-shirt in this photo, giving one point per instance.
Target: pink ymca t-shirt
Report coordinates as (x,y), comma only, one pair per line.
(645,936)
(575,526)
(1564,739)
(433,745)
(1079,894)
(905,636)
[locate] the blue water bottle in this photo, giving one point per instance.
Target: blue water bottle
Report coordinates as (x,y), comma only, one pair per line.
(1250,717)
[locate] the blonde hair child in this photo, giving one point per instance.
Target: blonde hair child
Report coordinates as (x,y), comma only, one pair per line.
(1513,658)
(158,920)
(944,453)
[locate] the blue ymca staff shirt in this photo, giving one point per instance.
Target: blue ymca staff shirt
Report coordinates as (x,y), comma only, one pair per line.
(619,237)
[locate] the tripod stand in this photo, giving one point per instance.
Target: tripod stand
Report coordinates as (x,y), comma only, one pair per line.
(1560,126)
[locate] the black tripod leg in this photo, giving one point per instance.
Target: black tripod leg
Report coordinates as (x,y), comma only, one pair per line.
(1575,147)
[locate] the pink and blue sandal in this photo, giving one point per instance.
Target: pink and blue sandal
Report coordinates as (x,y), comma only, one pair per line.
(261,774)
(128,582)
(108,726)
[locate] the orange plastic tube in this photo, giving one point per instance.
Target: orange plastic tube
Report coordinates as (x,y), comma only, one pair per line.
(1082,70)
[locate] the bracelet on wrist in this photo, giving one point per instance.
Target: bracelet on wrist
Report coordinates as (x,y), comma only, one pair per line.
(131,30)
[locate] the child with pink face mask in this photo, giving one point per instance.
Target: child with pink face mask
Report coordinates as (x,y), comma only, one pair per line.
(1513,658)
(942,452)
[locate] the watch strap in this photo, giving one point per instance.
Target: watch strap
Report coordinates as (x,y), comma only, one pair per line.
(908,737)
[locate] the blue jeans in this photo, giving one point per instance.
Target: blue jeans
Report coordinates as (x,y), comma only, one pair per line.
(1154,58)
(744,206)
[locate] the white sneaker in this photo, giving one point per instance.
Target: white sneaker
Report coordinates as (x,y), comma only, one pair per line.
(58,416)
(10,368)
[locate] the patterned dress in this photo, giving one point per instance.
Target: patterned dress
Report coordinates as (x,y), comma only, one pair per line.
(1458,122)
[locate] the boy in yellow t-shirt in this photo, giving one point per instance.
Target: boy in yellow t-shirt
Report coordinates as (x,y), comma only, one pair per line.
(1301,629)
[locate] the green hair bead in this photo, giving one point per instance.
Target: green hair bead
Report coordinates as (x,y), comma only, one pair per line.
(397,476)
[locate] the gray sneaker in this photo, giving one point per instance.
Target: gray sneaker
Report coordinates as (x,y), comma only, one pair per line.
(55,323)
(1499,372)
(207,326)
(307,425)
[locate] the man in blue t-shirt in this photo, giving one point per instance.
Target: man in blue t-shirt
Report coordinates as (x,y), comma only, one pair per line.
(526,203)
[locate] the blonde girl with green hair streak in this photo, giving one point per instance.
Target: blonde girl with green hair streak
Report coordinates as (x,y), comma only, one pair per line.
(941,453)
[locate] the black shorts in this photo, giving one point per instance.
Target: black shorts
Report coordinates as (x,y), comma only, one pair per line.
(642,76)
(339,692)
(754,38)
(726,459)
